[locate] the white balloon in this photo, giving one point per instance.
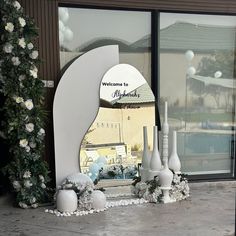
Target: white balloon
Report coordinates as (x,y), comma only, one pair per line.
(191,71)
(68,34)
(218,74)
(189,55)
(63,14)
(61,26)
(61,37)
(99,200)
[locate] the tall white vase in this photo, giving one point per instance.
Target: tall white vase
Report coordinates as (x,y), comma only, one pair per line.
(144,169)
(174,162)
(155,163)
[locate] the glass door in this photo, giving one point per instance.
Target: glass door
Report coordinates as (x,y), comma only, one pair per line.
(197,78)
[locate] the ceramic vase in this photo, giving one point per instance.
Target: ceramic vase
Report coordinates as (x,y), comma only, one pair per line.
(174,162)
(155,163)
(67,200)
(144,169)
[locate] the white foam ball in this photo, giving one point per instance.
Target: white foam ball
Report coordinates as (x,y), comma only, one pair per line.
(189,55)
(191,71)
(99,200)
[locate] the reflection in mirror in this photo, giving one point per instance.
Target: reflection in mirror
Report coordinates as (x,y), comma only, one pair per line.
(112,148)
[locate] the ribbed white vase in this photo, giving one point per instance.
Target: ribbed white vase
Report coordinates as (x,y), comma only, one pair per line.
(67,200)
(174,162)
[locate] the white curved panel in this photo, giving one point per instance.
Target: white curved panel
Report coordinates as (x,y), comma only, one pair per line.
(76,103)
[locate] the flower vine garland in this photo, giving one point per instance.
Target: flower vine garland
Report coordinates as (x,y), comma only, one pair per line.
(22,110)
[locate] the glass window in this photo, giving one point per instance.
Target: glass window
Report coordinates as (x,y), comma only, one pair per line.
(81,30)
(197,66)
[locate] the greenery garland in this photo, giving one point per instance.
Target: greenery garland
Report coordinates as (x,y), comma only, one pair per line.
(23,114)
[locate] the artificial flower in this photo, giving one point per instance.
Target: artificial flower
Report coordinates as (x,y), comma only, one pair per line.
(9,27)
(30,46)
(15,61)
(32,145)
(27,174)
(17,5)
(22,21)
(21,42)
(23,205)
(29,127)
(27,184)
(32,200)
(43,185)
(34,72)
(27,148)
(21,77)
(34,54)
(23,143)
(41,178)
(41,132)
(19,99)
(29,104)
(16,185)
(8,48)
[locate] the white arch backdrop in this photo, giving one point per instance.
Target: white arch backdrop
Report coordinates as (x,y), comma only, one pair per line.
(75,106)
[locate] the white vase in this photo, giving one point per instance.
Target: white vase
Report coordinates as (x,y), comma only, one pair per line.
(155,163)
(67,200)
(146,153)
(165,177)
(174,162)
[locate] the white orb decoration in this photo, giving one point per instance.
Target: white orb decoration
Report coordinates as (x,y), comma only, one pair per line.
(98,200)
(63,14)
(68,34)
(79,178)
(218,74)
(189,55)
(191,71)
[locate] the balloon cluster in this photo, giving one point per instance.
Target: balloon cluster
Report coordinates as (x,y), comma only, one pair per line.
(65,33)
(96,166)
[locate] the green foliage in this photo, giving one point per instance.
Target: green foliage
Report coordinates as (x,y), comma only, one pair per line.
(22,110)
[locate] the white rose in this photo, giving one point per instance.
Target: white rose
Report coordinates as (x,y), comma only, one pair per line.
(41,178)
(34,55)
(23,205)
(30,46)
(29,127)
(29,104)
(15,61)
(27,184)
(22,21)
(21,77)
(16,185)
(17,5)
(32,145)
(8,48)
(27,174)
(43,185)
(32,200)
(21,42)
(34,72)
(27,149)
(41,131)
(23,143)
(9,27)
(19,99)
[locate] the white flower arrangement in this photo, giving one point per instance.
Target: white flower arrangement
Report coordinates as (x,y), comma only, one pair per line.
(29,127)
(22,128)
(9,27)
(29,104)
(151,190)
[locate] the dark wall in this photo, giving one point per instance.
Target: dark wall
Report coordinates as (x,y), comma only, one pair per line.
(46,17)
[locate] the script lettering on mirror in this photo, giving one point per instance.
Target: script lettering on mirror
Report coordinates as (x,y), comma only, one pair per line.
(113,145)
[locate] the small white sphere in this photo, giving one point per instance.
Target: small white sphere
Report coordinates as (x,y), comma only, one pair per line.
(191,71)
(99,200)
